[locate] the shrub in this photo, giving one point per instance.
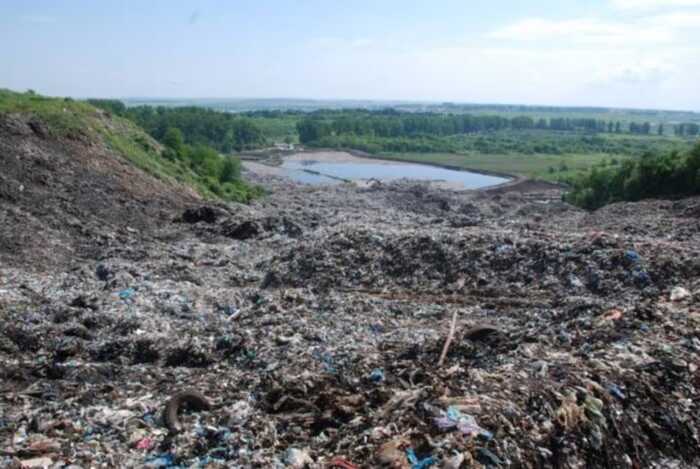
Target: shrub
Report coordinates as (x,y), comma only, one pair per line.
(653,175)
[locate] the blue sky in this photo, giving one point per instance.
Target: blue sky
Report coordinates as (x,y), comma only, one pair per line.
(629,53)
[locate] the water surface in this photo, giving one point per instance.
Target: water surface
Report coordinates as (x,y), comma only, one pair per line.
(323,172)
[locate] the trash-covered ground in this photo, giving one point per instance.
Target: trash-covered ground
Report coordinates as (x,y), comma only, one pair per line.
(313,323)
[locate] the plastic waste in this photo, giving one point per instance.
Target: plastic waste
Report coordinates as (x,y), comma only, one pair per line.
(632,257)
(419,463)
(377,375)
(465,423)
(165,460)
(616,392)
(679,294)
(297,458)
(127,293)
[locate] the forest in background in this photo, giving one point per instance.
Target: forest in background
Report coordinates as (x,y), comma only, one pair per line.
(603,155)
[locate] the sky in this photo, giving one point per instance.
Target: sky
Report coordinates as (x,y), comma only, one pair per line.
(617,53)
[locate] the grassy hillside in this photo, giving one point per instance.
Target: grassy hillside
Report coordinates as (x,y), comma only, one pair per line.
(67,118)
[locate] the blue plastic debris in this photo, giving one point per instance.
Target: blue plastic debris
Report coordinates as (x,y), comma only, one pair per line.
(575,282)
(377,375)
(149,418)
(453,413)
(229,310)
(616,392)
(633,256)
(419,463)
(162,460)
(487,458)
(504,249)
(465,423)
(326,360)
(126,294)
(641,277)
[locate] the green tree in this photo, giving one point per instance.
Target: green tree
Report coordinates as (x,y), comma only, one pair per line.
(113,106)
(230,169)
(173,139)
(652,175)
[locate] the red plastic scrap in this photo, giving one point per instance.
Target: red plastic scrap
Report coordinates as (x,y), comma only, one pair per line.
(341,463)
(146,443)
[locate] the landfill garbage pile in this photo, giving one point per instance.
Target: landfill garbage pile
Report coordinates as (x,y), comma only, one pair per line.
(71,196)
(395,325)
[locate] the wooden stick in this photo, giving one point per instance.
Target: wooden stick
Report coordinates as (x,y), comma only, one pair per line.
(449,339)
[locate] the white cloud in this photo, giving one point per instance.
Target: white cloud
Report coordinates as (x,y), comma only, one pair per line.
(585,31)
(652,4)
(554,75)
(677,20)
(649,30)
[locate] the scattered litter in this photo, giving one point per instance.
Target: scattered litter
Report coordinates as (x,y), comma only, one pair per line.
(297,458)
(480,332)
(679,294)
(43,463)
(613,314)
(392,452)
(377,375)
(487,458)
(340,463)
(632,257)
(191,399)
(454,462)
(127,293)
(419,463)
(566,350)
(465,423)
(146,443)
(616,392)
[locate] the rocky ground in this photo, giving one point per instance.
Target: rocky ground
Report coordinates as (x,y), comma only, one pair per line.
(313,322)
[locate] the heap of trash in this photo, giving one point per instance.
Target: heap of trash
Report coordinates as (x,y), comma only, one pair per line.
(395,325)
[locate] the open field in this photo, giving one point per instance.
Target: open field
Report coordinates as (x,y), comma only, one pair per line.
(534,166)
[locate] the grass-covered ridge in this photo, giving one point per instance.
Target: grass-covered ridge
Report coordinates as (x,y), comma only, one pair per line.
(203,169)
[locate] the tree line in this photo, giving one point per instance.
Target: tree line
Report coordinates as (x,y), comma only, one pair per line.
(689,130)
(393,124)
(222,131)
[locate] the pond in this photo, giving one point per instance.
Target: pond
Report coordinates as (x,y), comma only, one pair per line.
(312,171)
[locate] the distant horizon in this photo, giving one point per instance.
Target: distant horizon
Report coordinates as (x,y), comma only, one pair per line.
(357,100)
(398,101)
(618,54)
